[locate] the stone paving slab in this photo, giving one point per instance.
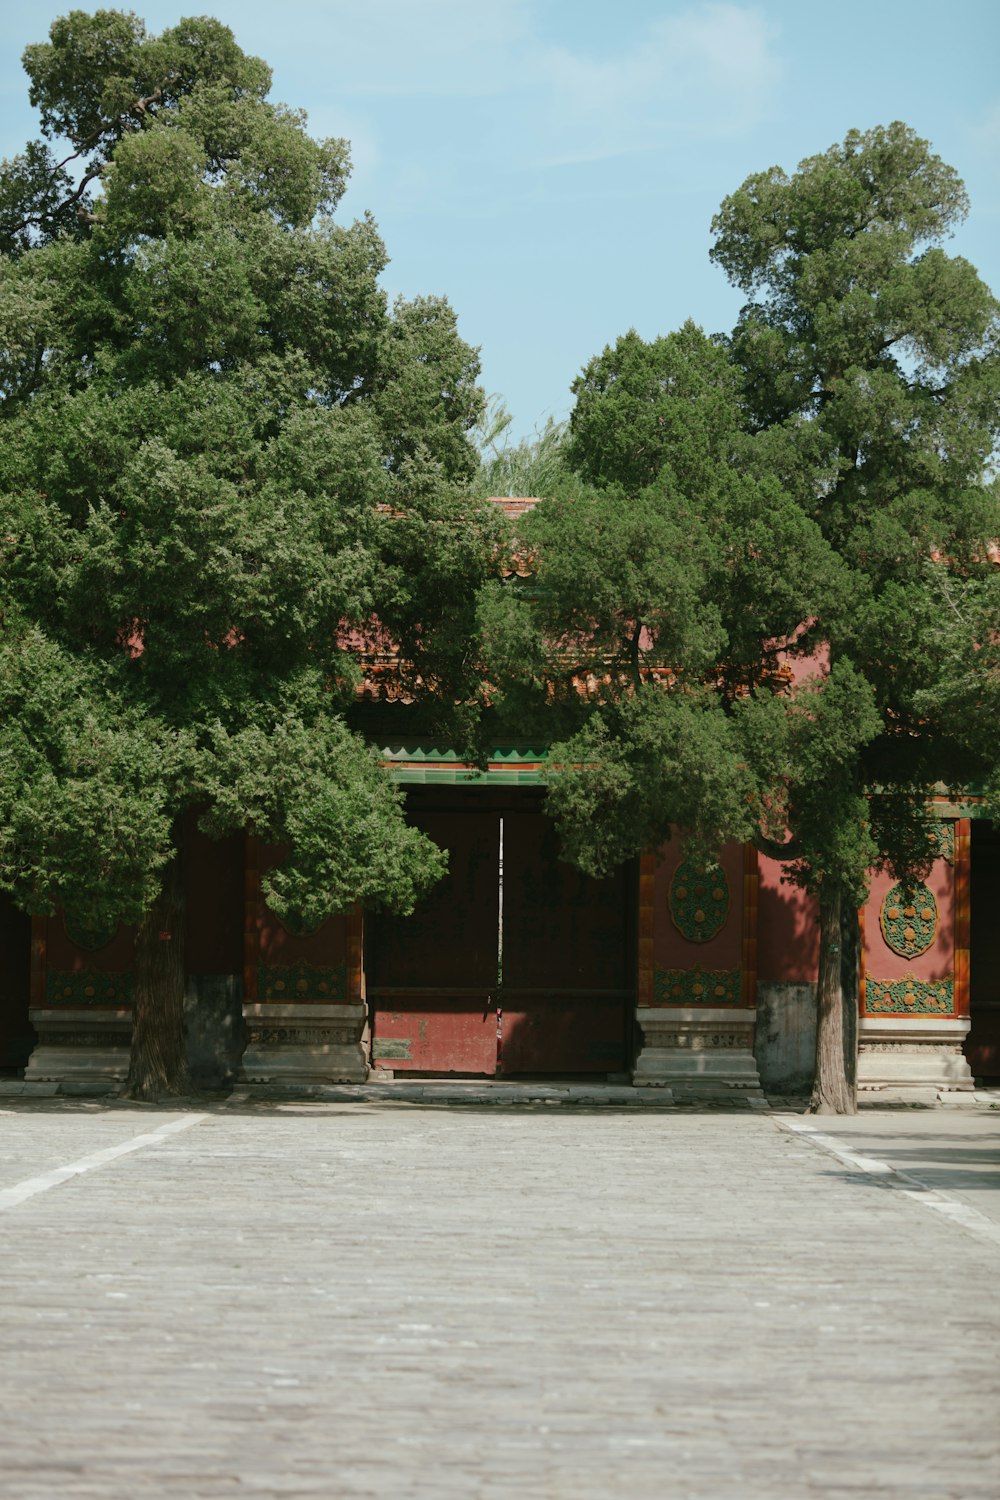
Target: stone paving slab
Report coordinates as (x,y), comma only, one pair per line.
(480,1092)
(350,1299)
(64,1131)
(956,1152)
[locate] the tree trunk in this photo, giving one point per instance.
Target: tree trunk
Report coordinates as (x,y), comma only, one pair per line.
(850,972)
(158,1063)
(834,1091)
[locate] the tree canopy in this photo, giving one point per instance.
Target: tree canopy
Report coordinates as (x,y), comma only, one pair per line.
(870,362)
(225,462)
(770,587)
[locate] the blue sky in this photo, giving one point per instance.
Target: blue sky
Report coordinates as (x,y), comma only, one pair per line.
(553,166)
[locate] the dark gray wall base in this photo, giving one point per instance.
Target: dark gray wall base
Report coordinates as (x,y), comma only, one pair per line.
(786,1037)
(213,1024)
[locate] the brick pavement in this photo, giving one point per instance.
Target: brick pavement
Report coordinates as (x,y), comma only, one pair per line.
(377,1299)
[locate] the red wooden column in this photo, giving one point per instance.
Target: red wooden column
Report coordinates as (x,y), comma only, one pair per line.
(355,956)
(963,918)
(39,940)
(751,890)
(251,902)
(644,965)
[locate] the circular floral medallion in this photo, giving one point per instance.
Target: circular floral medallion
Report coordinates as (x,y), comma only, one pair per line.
(89,935)
(296,925)
(909,919)
(699,900)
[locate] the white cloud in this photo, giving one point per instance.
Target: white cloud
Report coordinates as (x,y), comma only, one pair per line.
(714,61)
(709,71)
(427,47)
(729,44)
(479,89)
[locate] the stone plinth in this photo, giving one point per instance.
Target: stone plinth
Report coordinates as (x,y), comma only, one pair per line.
(919,1052)
(785,1037)
(213,1028)
(84,1049)
(304,1043)
(698,1051)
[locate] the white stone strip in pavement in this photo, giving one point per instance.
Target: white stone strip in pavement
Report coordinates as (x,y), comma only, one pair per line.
(12,1196)
(940,1202)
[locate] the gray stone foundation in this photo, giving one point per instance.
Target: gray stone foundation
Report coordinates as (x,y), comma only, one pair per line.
(786,1037)
(698,1052)
(213,1028)
(304,1043)
(85,1049)
(913,1052)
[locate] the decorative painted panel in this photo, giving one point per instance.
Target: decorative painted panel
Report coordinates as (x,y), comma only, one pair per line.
(942,836)
(296,925)
(89,936)
(301,983)
(909,919)
(697,986)
(909,997)
(87,987)
(699,900)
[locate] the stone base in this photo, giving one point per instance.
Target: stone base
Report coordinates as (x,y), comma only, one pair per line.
(84,1050)
(913,1052)
(304,1044)
(785,1038)
(699,1052)
(213,1028)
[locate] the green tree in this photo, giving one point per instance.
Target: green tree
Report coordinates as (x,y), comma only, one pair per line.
(871,369)
(964,689)
(812,488)
(226,466)
(653,617)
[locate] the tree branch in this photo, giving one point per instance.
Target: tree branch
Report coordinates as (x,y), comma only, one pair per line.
(139,107)
(773,850)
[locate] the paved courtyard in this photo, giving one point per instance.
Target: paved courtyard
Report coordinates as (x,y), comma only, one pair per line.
(387,1299)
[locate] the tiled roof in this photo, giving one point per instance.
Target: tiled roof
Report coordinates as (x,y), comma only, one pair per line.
(513,505)
(379,656)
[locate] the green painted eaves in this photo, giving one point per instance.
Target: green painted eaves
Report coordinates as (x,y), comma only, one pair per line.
(416,763)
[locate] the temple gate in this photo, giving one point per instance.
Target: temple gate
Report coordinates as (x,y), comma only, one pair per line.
(515,963)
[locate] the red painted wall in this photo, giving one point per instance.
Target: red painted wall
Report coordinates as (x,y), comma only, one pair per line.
(787,929)
(61,953)
(213,881)
(881,962)
(326,947)
(671,950)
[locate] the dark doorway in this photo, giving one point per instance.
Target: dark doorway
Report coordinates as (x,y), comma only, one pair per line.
(432,977)
(515,964)
(16,1034)
(983,1045)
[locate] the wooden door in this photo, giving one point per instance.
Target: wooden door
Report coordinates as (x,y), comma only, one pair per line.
(514,964)
(566,994)
(432,976)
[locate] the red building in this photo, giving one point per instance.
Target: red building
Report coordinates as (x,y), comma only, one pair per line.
(516,964)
